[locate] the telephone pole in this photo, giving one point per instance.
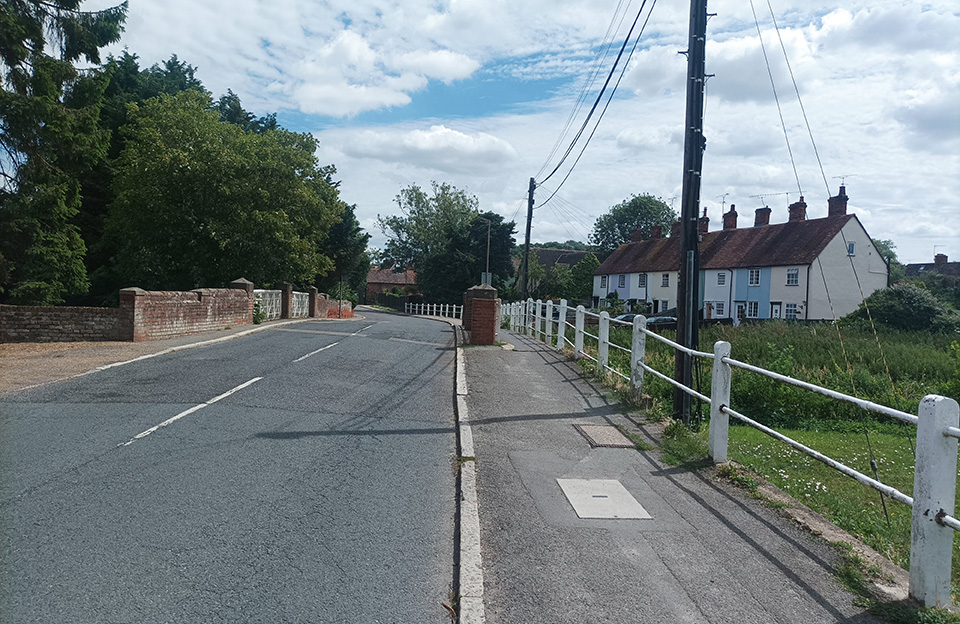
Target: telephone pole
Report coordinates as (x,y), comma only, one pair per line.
(525,273)
(688,289)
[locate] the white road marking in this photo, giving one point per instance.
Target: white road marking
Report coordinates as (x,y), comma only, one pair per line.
(419,342)
(190,411)
(315,352)
(361,330)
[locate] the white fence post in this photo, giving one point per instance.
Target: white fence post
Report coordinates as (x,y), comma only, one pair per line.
(528,319)
(638,354)
(603,344)
(934,493)
(538,331)
(548,336)
(578,336)
(562,324)
(719,398)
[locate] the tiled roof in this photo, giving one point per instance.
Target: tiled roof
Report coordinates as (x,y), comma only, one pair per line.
(550,257)
(945,268)
(781,244)
(389,276)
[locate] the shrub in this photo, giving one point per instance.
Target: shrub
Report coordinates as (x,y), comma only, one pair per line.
(907,307)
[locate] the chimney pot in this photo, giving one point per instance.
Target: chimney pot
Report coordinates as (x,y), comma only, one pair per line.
(798,210)
(763,217)
(837,206)
(675,228)
(637,235)
(656,232)
(703,224)
(730,218)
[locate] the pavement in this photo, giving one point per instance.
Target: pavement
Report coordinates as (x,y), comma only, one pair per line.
(705,552)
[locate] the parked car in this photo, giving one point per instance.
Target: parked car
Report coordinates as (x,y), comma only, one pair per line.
(661,320)
(626,318)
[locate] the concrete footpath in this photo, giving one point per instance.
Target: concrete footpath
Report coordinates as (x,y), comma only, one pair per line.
(706,553)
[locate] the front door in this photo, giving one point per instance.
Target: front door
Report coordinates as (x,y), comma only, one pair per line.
(775,310)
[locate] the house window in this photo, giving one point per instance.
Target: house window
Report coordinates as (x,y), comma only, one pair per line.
(793,277)
(718,309)
(754,278)
(721,279)
(851,248)
(665,279)
(753,309)
(790,311)
(642,282)
(603,281)
(623,281)
(664,305)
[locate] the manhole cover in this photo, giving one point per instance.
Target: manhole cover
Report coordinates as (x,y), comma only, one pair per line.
(605,436)
(602,498)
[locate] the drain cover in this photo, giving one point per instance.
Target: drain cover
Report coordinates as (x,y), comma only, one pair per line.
(604,435)
(602,498)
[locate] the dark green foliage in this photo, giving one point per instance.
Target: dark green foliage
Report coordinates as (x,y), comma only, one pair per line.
(199,202)
(907,307)
(346,245)
(617,226)
(50,137)
(582,283)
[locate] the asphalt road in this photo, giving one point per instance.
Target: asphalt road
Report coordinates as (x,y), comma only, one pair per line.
(300,474)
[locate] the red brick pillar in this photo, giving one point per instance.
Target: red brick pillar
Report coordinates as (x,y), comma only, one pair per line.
(312,291)
(286,300)
(486,321)
(131,315)
(483,291)
(247,285)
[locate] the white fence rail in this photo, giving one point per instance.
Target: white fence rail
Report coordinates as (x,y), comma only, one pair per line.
(937,422)
(447,310)
(269,303)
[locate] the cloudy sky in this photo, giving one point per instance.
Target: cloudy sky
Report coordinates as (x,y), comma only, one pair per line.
(477,92)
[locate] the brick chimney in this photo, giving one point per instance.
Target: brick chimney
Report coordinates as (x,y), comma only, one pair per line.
(837,206)
(703,224)
(675,228)
(637,235)
(763,217)
(730,219)
(656,232)
(940,259)
(798,210)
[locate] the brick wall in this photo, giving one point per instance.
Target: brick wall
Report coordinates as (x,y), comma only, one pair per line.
(58,324)
(167,314)
(340,309)
(486,321)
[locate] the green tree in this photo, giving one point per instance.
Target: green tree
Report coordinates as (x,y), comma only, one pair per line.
(200,202)
(907,307)
(49,135)
(443,237)
(346,245)
(617,226)
(582,283)
(887,249)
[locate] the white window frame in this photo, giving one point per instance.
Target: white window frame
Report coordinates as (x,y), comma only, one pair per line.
(790,311)
(718,309)
(793,277)
(753,309)
(665,280)
(753,277)
(851,248)
(721,279)
(622,282)
(603,281)
(642,281)
(664,305)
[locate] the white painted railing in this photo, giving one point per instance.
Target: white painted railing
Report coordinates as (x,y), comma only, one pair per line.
(301,305)
(269,302)
(937,421)
(447,310)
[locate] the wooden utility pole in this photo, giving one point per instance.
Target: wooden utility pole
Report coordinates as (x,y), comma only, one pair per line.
(688,289)
(525,272)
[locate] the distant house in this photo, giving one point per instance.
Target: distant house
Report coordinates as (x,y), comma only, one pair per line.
(385,280)
(802,269)
(550,257)
(940,265)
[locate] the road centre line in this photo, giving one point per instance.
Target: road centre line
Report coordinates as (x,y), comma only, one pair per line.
(361,330)
(317,351)
(190,411)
